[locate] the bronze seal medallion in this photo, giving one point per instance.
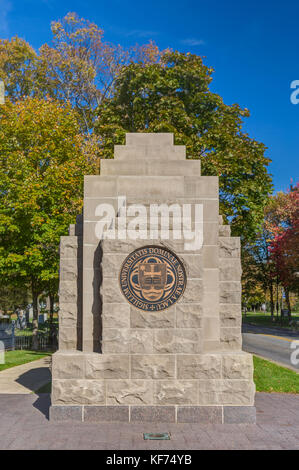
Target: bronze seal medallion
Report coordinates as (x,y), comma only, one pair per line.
(152,278)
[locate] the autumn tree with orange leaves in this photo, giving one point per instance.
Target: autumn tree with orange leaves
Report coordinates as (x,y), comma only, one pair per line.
(283,223)
(79,66)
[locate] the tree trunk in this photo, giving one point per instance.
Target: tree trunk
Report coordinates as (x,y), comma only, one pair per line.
(51,324)
(35,320)
(287,293)
(271,300)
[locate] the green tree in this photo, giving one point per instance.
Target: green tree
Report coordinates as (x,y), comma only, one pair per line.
(174,96)
(18,68)
(43,158)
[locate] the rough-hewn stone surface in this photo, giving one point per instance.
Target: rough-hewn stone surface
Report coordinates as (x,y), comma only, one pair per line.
(177,341)
(176,392)
(183,362)
(153,366)
(129,392)
(77,391)
(205,366)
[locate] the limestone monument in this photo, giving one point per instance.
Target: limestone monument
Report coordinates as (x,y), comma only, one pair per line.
(150,297)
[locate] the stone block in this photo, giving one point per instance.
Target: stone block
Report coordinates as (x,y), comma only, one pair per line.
(68,314)
(97,186)
(193,291)
(156,153)
(111,292)
(141,341)
(68,247)
(210,303)
(106,414)
(230,269)
(230,297)
(68,338)
(231,338)
(229,247)
(237,366)
(230,315)
(111,263)
(69,365)
(112,366)
(201,186)
(177,341)
(210,257)
(238,392)
(210,233)
(150,139)
(230,286)
(211,346)
(193,265)
(116,316)
(201,366)
(211,328)
(152,414)
(78,392)
(188,315)
(68,291)
(65,413)
(162,319)
(68,274)
(151,186)
(153,366)
(239,415)
(224,230)
(211,281)
(116,341)
(226,392)
(199,414)
(100,208)
(121,246)
(151,168)
(176,392)
(129,392)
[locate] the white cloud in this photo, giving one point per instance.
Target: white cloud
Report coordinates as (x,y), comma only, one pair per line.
(192,42)
(5,8)
(140,33)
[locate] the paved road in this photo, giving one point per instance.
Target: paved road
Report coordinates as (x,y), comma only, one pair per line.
(271,343)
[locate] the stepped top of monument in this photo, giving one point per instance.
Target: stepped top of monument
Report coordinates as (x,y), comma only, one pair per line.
(149,146)
(149,138)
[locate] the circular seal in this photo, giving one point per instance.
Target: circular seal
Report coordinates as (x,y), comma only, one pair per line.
(152,278)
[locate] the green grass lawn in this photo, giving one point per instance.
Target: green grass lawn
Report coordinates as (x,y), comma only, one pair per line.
(264,319)
(16,358)
(270,377)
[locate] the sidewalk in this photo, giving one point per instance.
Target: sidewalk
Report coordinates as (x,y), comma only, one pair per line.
(24,422)
(24,425)
(26,378)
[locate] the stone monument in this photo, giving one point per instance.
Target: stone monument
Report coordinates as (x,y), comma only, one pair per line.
(150,321)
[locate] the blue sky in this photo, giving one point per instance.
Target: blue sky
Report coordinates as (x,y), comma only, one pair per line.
(252,45)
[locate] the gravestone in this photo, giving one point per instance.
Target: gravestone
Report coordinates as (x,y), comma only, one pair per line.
(150,319)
